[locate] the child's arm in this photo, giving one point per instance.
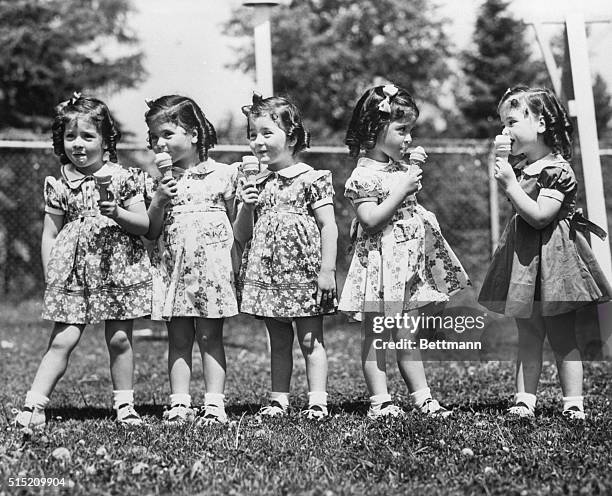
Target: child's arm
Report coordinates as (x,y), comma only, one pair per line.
(373,217)
(230,207)
(245,217)
(51,227)
(326,220)
(538,214)
(133,218)
(163,194)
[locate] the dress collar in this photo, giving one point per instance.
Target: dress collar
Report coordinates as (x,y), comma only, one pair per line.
(534,168)
(369,163)
(74,177)
(288,172)
(205,167)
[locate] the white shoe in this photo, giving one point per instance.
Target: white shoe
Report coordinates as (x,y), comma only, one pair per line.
(432,408)
(212,414)
(316,412)
(126,415)
(30,418)
(521,410)
(274,409)
(178,414)
(385,410)
(574,413)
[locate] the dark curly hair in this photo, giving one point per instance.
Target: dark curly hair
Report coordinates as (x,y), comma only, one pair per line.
(284,113)
(91,108)
(183,111)
(542,101)
(368,120)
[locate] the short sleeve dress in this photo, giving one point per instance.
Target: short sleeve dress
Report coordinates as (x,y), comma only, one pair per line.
(281,263)
(97,271)
(404,266)
(553,266)
(192,267)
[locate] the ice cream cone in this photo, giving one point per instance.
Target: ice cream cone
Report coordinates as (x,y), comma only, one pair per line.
(503,146)
(250,167)
(163,161)
(103,183)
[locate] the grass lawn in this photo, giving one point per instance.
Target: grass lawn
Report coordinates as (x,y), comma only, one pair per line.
(478,450)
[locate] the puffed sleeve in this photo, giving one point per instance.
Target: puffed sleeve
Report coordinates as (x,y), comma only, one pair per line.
(362,186)
(55,198)
(131,187)
(556,182)
(321,191)
(231,181)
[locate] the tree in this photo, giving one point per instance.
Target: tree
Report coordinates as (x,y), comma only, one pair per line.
(500,58)
(603,104)
(50,48)
(327,52)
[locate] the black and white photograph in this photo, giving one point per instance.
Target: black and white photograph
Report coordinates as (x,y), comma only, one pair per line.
(305,247)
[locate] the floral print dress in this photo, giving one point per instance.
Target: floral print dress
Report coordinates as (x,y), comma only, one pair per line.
(281,263)
(96,271)
(553,266)
(192,266)
(404,266)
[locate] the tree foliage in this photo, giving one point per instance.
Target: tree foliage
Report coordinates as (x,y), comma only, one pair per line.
(50,48)
(499,58)
(327,52)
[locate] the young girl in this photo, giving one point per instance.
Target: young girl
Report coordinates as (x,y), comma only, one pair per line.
(190,215)
(543,269)
(289,263)
(402,265)
(94,263)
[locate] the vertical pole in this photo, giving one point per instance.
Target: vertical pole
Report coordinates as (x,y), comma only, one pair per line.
(263,51)
(589,148)
(587,129)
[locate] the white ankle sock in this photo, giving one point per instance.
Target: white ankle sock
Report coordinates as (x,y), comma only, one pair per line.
(570,401)
(36,400)
(180,399)
(421,396)
(317,398)
(378,399)
(281,398)
(214,399)
(123,396)
(527,398)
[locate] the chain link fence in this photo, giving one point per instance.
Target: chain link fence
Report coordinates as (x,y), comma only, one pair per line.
(455,179)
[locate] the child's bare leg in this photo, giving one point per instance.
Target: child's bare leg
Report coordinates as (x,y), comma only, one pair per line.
(531,335)
(374,357)
(561,331)
(409,361)
(310,337)
(209,334)
(181,334)
(63,340)
(281,354)
(118,334)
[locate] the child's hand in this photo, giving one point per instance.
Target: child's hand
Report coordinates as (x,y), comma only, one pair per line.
(166,190)
(109,208)
(249,194)
(504,174)
(410,182)
(326,289)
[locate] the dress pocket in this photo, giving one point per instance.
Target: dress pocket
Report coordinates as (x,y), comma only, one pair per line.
(405,230)
(216,232)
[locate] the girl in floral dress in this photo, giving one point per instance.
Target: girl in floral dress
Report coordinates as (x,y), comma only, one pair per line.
(543,269)
(95,266)
(402,264)
(191,212)
(286,223)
